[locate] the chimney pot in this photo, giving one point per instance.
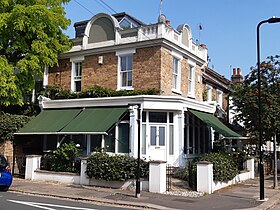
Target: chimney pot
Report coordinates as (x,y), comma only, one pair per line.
(238,71)
(234,71)
(203,46)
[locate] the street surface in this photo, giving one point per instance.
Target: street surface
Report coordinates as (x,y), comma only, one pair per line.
(13,201)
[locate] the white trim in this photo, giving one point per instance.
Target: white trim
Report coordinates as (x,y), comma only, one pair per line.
(192,69)
(209,89)
(125,52)
(177,55)
(147,101)
(77,59)
(178,75)
(220,97)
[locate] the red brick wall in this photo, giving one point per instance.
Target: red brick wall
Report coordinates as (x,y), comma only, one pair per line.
(152,68)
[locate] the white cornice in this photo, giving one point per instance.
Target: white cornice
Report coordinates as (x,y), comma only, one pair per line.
(149,102)
(139,44)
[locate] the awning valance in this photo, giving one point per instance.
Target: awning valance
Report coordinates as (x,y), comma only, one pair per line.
(215,123)
(73,121)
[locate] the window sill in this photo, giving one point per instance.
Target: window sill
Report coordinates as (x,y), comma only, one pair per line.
(125,88)
(176,91)
(191,95)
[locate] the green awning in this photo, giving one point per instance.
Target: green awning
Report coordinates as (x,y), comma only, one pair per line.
(215,123)
(49,122)
(94,121)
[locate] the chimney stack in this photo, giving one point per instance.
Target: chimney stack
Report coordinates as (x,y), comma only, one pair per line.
(236,77)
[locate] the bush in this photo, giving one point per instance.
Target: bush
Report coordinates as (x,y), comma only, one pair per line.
(224,166)
(62,159)
(114,168)
(54,92)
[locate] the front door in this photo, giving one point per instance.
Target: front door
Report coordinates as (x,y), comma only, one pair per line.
(157,142)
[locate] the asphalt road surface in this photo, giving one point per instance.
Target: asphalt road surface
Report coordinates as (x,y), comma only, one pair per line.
(14,201)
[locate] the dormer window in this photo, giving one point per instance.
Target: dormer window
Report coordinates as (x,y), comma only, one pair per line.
(125,23)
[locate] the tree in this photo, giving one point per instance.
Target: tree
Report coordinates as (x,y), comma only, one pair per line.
(245,99)
(31,37)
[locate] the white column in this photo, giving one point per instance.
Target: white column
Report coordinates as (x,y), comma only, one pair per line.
(204,177)
(84,179)
(32,163)
(157,176)
(250,166)
(180,129)
(133,131)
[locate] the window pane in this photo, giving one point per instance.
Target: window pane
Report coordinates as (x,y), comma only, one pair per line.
(171,140)
(143,116)
(196,140)
(110,141)
(124,79)
(175,65)
(143,139)
(186,142)
(123,138)
(78,86)
(95,143)
(162,136)
(123,63)
(202,144)
(81,140)
(174,82)
(129,78)
(51,142)
(170,117)
(191,140)
(129,63)
(125,23)
(160,117)
(153,136)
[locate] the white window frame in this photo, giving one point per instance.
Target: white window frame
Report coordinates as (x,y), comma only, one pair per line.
(209,89)
(176,76)
(220,98)
(121,54)
(191,79)
(74,79)
(76,75)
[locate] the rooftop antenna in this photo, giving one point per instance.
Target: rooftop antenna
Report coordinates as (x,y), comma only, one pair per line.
(160,7)
(200,28)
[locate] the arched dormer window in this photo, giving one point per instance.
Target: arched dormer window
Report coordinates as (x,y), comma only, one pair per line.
(186,34)
(100,28)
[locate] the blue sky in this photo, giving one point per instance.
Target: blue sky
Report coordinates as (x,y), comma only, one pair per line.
(229,26)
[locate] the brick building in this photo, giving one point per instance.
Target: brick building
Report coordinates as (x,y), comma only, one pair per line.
(122,53)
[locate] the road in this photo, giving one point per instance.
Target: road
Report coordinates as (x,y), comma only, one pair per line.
(14,201)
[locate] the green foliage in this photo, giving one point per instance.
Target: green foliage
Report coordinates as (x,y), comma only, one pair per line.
(224,166)
(9,124)
(32,36)
(63,158)
(9,91)
(54,92)
(102,166)
(245,99)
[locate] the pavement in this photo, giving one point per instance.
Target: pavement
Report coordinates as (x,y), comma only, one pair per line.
(241,196)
